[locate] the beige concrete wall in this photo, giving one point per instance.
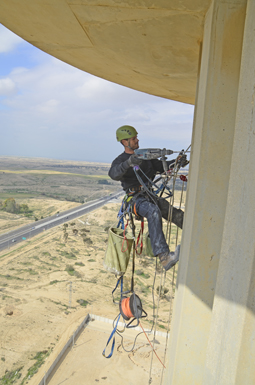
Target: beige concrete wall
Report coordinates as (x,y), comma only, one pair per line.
(231,346)
(212,151)
(151,46)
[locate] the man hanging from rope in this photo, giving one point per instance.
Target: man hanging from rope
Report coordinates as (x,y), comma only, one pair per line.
(122,170)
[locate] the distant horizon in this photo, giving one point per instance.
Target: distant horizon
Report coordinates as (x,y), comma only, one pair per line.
(65,160)
(54,159)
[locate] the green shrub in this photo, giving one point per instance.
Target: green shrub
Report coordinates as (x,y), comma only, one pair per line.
(79,263)
(71,271)
(83,302)
(68,255)
(11,377)
(40,358)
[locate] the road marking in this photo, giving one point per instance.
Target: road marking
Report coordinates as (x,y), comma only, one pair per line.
(25,231)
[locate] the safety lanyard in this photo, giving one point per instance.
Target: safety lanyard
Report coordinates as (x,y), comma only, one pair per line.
(112,336)
(121,216)
(120,280)
(140,235)
(124,239)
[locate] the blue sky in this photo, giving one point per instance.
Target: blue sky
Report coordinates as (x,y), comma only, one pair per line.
(50,109)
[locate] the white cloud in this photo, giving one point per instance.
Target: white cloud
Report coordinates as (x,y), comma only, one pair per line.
(7,87)
(80,114)
(8,40)
(136,116)
(48,106)
(91,87)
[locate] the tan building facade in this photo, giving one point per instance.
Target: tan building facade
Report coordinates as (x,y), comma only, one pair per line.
(199,52)
(212,337)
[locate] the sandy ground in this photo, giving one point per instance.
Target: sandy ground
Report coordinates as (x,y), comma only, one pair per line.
(85,364)
(40,207)
(47,286)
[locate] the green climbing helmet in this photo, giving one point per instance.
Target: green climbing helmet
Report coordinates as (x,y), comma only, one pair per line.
(125,132)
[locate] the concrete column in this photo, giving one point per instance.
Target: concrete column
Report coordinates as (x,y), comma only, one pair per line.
(212,144)
(231,344)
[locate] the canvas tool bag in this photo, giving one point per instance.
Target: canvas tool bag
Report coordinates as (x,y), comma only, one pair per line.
(118,251)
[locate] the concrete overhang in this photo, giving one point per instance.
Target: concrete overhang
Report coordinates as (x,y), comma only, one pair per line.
(150,46)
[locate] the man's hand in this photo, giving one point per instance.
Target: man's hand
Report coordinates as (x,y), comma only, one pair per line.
(182,160)
(133,160)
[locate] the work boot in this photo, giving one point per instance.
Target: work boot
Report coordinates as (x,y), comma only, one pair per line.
(169,258)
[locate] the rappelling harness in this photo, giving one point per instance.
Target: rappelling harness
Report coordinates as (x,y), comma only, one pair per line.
(130,305)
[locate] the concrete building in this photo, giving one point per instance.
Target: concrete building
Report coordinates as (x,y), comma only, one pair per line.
(199,52)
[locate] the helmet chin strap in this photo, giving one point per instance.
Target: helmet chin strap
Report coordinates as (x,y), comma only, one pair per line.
(128,146)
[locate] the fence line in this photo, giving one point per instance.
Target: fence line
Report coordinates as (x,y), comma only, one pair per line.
(73,337)
(138,328)
(63,351)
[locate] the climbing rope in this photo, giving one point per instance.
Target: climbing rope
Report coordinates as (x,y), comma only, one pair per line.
(155,321)
(154,351)
(126,311)
(173,176)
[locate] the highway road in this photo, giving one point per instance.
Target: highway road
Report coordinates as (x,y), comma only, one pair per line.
(28,231)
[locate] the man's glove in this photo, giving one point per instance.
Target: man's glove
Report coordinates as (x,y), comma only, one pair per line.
(183,161)
(133,160)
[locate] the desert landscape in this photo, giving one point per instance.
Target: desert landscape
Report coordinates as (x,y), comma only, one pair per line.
(62,180)
(49,283)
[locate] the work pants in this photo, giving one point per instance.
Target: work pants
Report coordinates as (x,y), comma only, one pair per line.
(145,207)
